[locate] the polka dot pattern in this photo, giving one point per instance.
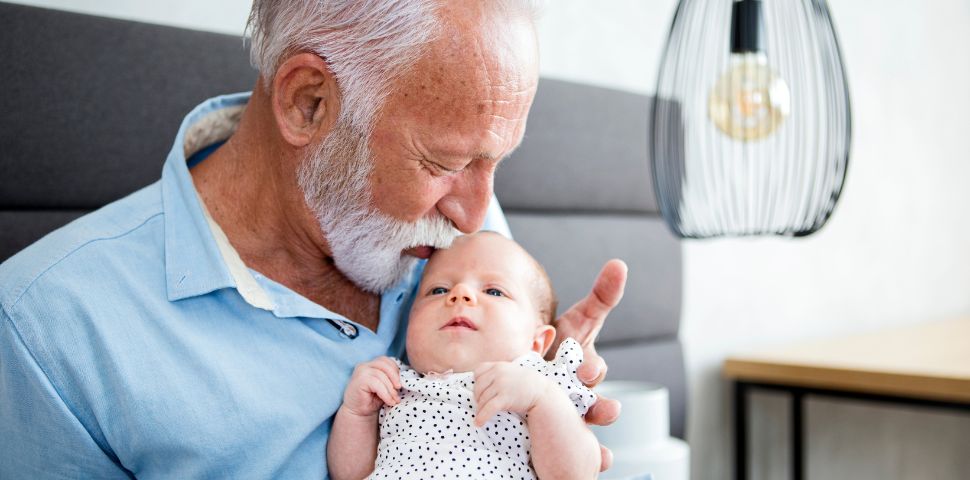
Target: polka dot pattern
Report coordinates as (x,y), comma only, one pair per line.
(431,434)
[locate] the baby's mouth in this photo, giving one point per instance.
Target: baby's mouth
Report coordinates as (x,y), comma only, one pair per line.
(460,322)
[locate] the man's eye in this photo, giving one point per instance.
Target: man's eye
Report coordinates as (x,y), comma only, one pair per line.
(494,292)
(449,170)
(439,169)
(438,291)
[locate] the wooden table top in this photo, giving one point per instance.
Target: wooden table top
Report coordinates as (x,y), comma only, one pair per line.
(930,360)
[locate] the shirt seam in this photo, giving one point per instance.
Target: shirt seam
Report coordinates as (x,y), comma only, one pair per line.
(16,300)
(57,392)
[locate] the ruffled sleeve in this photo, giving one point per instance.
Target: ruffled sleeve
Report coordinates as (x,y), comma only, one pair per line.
(562,370)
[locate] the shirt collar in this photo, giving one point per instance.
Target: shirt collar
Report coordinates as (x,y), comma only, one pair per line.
(245,282)
(193,263)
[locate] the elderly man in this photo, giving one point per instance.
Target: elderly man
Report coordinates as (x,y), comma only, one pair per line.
(205,326)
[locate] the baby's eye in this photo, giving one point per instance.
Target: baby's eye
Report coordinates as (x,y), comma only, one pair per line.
(494,292)
(438,291)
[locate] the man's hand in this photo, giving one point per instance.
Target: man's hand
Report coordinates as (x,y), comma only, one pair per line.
(583,322)
(372,385)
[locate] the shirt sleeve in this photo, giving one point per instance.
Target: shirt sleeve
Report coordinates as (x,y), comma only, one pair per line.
(562,370)
(42,438)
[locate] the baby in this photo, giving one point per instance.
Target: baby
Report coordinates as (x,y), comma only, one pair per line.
(478,400)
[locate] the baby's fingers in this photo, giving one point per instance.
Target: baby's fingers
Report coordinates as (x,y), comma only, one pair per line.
(485,370)
(389,368)
(485,395)
(381,386)
(487,411)
(482,384)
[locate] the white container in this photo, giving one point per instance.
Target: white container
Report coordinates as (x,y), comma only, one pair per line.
(640,439)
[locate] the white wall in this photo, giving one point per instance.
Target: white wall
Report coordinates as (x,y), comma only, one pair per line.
(897,250)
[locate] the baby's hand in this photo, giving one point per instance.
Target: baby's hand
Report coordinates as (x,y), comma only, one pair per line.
(504,386)
(372,385)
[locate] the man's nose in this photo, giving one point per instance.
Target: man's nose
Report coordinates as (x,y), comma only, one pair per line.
(467,202)
(461,293)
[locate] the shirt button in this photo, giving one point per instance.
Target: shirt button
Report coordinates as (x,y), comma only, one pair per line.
(349,330)
(346,329)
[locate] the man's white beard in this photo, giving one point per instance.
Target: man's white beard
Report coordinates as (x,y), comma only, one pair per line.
(366,244)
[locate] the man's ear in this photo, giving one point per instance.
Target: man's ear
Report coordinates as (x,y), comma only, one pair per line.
(305,99)
(543,338)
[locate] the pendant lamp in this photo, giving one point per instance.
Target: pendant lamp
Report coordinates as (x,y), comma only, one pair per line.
(751,123)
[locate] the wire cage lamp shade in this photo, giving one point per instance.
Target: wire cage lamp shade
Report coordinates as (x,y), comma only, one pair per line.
(751,124)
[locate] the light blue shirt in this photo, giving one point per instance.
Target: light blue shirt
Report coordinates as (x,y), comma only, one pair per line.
(127,349)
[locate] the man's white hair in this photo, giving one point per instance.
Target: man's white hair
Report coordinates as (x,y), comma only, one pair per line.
(366,43)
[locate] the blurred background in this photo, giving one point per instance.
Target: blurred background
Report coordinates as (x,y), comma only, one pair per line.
(896,252)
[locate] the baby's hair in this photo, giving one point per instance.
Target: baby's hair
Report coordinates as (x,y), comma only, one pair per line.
(543,294)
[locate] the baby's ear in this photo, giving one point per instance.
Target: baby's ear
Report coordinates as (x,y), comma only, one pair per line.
(544,336)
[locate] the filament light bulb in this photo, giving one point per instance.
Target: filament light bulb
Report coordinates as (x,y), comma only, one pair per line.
(749,102)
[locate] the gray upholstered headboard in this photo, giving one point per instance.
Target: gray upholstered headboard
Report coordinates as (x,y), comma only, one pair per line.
(84,100)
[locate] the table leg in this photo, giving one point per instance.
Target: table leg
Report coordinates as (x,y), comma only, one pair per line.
(798,431)
(740,430)
(797,435)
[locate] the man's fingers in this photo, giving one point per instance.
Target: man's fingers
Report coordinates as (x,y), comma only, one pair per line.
(607,289)
(604,412)
(593,369)
(584,320)
(606,458)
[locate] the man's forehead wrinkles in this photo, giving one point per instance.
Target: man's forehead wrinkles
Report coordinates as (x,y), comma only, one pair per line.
(484,63)
(504,118)
(503,109)
(504,102)
(513,91)
(490,134)
(504,144)
(516,86)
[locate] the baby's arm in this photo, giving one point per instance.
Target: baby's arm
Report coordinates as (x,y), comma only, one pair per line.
(563,447)
(352,447)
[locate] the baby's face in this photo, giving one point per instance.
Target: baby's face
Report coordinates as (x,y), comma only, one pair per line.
(475,304)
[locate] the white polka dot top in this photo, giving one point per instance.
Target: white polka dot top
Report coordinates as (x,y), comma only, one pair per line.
(431,433)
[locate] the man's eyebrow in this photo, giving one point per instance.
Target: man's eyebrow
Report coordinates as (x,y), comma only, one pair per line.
(481,155)
(489,157)
(478,156)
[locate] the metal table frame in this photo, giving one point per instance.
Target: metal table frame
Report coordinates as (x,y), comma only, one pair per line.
(797,394)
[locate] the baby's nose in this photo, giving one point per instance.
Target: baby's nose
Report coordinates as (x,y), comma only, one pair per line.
(461,293)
